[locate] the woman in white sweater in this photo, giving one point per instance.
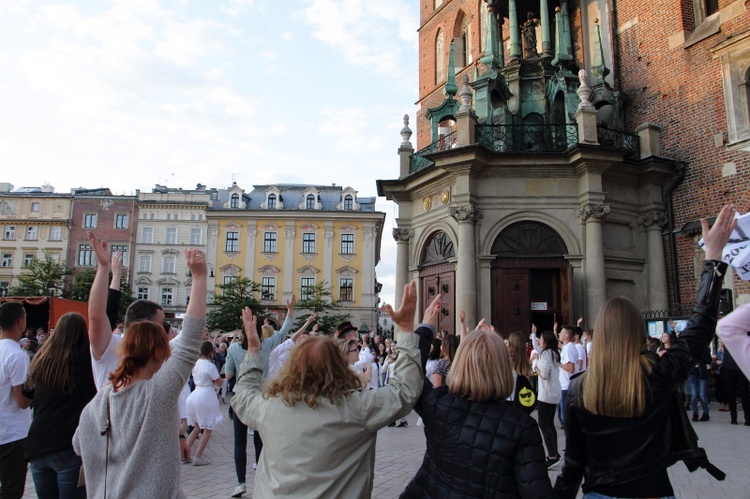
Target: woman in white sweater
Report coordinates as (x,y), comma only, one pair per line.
(128,434)
(548,370)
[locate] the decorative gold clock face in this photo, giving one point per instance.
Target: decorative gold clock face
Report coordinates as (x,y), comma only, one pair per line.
(427,203)
(445,196)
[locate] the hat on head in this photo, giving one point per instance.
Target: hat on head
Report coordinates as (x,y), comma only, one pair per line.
(23,341)
(344,328)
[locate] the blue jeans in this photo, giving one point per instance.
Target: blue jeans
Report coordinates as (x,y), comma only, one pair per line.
(698,390)
(596,495)
(56,475)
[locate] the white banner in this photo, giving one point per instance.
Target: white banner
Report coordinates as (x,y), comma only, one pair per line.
(737,251)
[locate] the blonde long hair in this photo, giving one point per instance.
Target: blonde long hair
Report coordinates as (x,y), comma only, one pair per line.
(615,383)
(517,349)
(481,370)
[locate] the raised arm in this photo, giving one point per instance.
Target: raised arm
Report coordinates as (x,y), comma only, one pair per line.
(464,327)
(114,294)
(304,327)
(251,371)
(100,333)
(175,372)
(535,340)
(288,321)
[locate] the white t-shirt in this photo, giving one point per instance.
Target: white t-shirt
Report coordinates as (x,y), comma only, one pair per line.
(108,363)
(581,350)
(569,354)
(14,367)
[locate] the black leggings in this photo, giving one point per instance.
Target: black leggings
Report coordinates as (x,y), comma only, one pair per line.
(258,444)
(547,426)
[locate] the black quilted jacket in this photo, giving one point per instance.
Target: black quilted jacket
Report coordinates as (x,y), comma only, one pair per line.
(486,449)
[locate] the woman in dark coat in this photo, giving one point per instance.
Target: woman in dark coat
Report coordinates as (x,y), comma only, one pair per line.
(478,445)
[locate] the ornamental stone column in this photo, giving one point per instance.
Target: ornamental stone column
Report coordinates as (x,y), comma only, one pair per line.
(466,270)
(596,280)
(402,237)
(658,296)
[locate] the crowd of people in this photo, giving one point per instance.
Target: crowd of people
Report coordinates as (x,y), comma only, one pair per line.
(115,399)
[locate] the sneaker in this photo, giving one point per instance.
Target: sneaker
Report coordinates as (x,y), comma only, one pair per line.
(391,425)
(705,417)
(402,424)
(695,416)
(255,466)
(201,461)
(551,461)
(239,490)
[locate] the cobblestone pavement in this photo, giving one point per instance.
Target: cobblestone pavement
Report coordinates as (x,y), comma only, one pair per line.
(400,451)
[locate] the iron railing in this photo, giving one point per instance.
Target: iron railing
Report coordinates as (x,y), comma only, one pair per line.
(676,310)
(418,161)
(619,140)
(528,138)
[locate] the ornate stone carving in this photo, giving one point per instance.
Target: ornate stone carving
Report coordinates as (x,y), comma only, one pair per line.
(598,211)
(106,203)
(402,235)
(308,271)
(269,271)
(585,92)
(654,218)
(252,232)
(328,235)
(406,133)
(289,233)
(466,214)
(465,95)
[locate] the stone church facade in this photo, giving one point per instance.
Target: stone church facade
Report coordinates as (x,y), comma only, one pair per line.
(544,181)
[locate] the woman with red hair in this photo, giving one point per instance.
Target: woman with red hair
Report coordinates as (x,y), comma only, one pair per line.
(128,434)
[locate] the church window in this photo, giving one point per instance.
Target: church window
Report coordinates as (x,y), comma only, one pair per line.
(440,57)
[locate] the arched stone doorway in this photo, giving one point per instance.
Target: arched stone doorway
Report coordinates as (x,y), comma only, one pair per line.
(531,280)
(437,275)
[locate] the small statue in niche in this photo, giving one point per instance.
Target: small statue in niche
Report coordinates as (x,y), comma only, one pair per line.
(529,35)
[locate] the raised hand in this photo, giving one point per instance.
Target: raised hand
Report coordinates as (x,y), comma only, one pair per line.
(432,311)
(196,262)
(250,327)
(101,250)
(291,303)
(533,329)
(464,327)
(716,238)
(404,316)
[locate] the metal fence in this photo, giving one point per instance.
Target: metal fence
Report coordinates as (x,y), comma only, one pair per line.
(618,139)
(528,138)
(418,161)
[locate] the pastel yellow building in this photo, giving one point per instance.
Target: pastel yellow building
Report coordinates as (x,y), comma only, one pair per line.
(289,238)
(34,221)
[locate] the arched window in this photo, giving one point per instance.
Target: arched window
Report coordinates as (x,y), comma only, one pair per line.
(235,202)
(528,239)
(438,249)
(348,202)
(310,202)
(271,202)
(440,57)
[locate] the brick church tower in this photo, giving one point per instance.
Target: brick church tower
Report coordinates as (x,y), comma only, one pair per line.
(565,152)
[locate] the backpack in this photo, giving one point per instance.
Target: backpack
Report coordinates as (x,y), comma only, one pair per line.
(525,395)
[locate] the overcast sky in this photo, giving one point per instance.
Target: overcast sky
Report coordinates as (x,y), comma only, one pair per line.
(129,93)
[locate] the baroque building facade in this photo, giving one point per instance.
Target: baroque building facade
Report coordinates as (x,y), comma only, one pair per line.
(564,155)
(289,238)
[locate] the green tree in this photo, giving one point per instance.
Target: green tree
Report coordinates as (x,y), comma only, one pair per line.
(319,300)
(226,306)
(41,278)
(81,287)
